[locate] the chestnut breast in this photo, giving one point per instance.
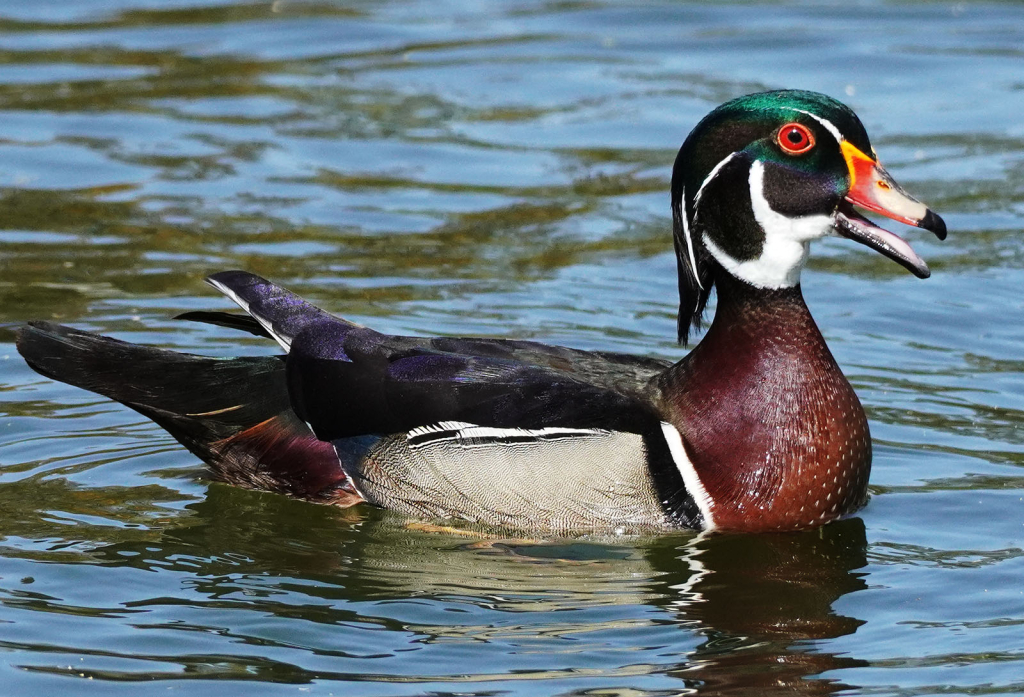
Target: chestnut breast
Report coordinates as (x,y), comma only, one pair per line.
(773,428)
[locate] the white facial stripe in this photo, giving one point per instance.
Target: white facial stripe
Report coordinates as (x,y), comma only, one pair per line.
(688,473)
(829,126)
(284,341)
(785,246)
(707,180)
(689,240)
(775,225)
(696,202)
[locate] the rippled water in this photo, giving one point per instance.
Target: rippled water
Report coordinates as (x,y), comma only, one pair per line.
(497,169)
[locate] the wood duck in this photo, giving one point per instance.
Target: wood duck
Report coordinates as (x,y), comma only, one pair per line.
(755,429)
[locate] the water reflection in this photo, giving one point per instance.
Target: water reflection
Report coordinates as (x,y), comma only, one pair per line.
(725,614)
(762,601)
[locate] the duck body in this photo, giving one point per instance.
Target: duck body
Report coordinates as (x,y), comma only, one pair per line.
(755,429)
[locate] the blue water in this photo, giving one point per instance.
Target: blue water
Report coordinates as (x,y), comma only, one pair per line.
(496,169)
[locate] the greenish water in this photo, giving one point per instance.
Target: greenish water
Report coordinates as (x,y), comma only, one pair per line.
(497,169)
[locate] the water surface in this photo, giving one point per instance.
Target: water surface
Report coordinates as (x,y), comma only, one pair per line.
(496,169)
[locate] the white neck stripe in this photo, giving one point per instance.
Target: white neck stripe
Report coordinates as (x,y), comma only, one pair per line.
(689,473)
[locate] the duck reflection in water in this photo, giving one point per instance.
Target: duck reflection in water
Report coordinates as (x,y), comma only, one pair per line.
(749,609)
(761,601)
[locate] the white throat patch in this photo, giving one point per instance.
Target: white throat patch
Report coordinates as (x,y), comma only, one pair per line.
(785,245)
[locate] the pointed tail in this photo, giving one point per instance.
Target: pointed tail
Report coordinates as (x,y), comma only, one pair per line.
(233,413)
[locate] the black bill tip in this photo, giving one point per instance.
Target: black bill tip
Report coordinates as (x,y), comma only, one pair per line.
(934,223)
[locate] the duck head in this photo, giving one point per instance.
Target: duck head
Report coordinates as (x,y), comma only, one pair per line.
(762,176)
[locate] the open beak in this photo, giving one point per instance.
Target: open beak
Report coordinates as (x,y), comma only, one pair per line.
(872,188)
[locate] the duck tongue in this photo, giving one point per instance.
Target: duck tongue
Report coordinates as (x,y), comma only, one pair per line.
(849,223)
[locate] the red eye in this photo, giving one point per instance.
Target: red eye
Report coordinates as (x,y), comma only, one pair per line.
(795,139)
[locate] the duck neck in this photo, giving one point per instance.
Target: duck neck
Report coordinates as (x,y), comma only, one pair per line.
(771,426)
(755,316)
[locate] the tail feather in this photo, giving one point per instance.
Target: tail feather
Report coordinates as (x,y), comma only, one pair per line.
(233,413)
(231,320)
(281,313)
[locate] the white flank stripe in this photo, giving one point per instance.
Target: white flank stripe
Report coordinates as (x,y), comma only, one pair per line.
(439,427)
(689,240)
(689,473)
(487,432)
(285,342)
(468,431)
(341,462)
(829,126)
